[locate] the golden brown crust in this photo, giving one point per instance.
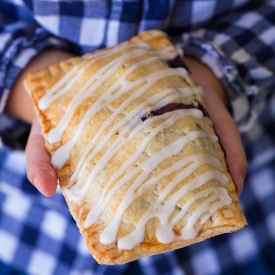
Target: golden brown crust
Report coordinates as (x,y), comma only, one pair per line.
(102,182)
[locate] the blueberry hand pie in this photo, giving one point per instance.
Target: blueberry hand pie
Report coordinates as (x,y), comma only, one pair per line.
(136,154)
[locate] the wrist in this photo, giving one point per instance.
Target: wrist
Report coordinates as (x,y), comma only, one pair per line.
(19,103)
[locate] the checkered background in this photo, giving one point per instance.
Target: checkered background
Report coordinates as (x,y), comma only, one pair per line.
(235,38)
(38,235)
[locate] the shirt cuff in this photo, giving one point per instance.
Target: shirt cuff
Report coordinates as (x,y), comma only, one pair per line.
(246,101)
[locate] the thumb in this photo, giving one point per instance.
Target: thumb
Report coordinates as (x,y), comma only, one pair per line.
(39,169)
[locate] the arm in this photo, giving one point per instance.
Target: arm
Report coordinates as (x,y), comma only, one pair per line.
(240,50)
(19,103)
(235,58)
(21,42)
(26,47)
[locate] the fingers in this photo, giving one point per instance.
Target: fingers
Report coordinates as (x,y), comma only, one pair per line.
(216,100)
(230,138)
(232,145)
(39,169)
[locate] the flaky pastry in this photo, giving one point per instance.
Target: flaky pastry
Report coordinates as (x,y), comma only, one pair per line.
(136,154)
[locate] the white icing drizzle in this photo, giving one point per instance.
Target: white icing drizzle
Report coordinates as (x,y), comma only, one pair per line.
(156,210)
(151,163)
(160,99)
(63,153)
(61,87)
(166,200)
(93,83)
(216,198)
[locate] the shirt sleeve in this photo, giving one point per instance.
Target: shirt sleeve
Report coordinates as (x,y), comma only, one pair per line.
(20,41)
(240,49)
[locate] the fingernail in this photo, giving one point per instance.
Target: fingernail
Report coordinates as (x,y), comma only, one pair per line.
(37,184)
(240,185)
(241,180)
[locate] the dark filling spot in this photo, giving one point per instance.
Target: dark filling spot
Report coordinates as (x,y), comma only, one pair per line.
(172,107)
(177,63)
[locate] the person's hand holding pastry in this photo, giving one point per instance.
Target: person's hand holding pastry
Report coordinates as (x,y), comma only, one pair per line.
(131,137)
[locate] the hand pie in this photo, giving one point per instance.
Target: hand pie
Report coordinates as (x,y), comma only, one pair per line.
(138,161)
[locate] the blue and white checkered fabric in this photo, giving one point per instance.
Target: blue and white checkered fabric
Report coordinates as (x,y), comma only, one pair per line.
(235,38)
(38,235)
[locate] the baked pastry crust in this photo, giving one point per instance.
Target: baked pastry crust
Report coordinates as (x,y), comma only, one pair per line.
(137,158)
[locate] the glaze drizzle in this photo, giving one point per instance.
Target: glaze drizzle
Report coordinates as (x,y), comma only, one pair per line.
(165,114)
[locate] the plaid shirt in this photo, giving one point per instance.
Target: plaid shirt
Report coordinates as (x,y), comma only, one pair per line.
(234,38)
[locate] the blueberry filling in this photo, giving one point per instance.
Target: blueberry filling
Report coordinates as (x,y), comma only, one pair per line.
(177,62)
(172,107)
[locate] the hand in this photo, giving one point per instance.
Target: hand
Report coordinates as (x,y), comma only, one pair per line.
(39,169)
(216,102)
